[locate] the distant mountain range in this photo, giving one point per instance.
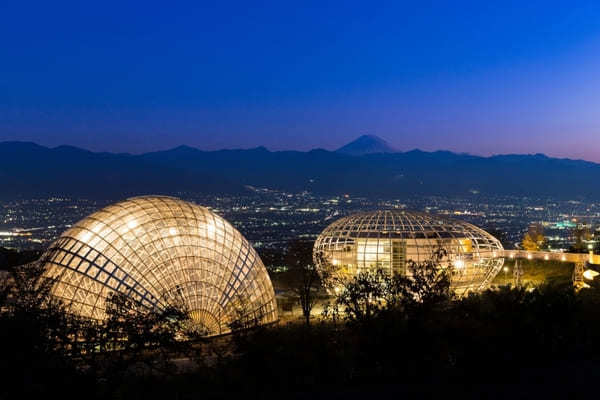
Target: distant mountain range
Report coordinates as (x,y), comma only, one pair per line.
(367,166)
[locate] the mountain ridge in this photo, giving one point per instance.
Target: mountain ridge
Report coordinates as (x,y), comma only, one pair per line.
(31,170)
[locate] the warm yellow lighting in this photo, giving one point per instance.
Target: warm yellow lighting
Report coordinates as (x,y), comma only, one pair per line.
(590,274)
(390,240)
(563,258)
(512,255)
(505,269)
(210,228)
(211,275)
(466,245)
(546,257)
(86,236)
(529,256)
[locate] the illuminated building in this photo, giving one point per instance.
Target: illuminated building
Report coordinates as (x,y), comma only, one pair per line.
(390,240)
(159,251)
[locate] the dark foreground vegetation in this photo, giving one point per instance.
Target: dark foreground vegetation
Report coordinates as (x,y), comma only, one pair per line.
(409,336)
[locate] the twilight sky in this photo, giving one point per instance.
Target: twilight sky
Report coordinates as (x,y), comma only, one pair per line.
(510,77)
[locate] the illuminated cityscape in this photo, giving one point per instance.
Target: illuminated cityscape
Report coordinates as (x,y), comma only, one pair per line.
(271,218)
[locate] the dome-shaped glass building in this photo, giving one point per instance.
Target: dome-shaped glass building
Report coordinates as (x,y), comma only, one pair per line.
(160,250)
(389,240)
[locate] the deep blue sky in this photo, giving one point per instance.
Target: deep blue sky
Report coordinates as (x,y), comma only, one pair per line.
(520,77)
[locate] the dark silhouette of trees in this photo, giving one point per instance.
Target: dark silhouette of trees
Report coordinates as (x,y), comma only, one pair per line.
(302,277)
(369,294)
(580,236)
(36,336)
(135,339)
(12,258)
(45,349)
(499,234)
(395,331)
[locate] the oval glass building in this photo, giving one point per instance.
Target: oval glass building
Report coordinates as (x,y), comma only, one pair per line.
(160,250)
(389,240)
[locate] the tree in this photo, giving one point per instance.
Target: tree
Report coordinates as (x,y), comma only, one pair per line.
(134,339)
(534,239)
(429,282)
(362,297)
(12,258)
(498,234)
(302,276)
(38,338)
(369,293)
(580,235)
(43,343)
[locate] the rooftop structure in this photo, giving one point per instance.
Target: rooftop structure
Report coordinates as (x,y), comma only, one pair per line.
(390,240)
(159,251)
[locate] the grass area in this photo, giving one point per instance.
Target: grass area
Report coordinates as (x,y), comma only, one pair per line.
(535,272)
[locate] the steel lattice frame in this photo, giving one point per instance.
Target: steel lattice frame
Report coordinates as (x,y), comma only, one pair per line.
(160,250)
(389,239)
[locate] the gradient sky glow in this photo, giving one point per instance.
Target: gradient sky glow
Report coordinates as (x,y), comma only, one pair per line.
(514,77)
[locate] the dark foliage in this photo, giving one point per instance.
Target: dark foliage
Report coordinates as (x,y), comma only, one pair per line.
(414,333)
(12,258)
(302,276)
(47,351)
(35,338)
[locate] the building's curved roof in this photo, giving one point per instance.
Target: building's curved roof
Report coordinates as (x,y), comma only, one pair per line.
(161,250)
(405,225)
(391,239)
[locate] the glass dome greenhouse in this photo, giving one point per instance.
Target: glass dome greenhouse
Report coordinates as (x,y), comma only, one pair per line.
(160,250)
(390,240)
